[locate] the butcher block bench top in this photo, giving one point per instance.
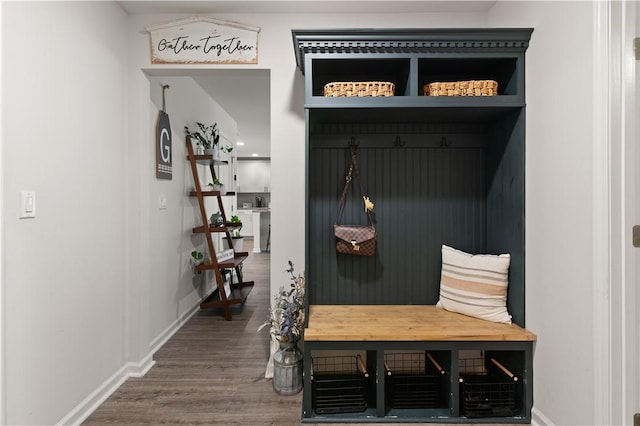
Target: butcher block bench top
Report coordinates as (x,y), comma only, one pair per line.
(404,323)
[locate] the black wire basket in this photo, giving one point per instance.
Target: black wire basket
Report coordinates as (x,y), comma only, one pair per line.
(487,389)
(339,384)
(413,380)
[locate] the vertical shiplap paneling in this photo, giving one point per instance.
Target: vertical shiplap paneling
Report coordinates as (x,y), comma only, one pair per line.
(423,197)
(506,206)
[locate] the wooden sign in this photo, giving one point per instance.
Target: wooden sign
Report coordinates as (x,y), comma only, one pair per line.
(202,40)
(164,169)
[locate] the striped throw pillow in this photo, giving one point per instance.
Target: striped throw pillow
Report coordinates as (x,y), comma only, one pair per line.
(475,285)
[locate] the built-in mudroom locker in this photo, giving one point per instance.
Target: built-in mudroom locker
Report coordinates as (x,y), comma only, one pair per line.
(443,163)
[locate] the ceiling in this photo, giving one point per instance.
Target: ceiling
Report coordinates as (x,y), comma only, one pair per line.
(304,6)
(245,93)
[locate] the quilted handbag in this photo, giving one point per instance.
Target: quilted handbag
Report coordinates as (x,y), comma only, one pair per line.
(357,240)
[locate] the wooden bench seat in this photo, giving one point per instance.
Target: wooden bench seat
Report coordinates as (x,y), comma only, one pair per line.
(404,323)
(378,330)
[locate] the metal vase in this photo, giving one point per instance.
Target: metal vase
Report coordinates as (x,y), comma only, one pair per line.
(287,369)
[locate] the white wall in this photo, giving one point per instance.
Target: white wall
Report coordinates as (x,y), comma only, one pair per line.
(559,200)
(64,136)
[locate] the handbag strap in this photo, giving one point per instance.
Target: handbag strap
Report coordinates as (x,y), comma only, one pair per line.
(353,169)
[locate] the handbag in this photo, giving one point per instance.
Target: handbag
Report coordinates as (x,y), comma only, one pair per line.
(359,240)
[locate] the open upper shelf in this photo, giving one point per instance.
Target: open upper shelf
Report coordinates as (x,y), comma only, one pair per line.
(411,58)
(207,159)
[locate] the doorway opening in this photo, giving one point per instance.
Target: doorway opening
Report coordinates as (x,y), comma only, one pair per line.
(239,102)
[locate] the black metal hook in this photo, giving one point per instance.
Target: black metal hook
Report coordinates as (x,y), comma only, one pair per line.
(353,143)
(399,143)
(164,104)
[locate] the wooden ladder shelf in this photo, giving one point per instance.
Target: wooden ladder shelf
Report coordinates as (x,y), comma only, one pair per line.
(241,289)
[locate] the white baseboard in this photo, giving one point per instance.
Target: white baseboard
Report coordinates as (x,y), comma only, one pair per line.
(83,410)
(172,329)
(141,368)
(131,369)
(539,419)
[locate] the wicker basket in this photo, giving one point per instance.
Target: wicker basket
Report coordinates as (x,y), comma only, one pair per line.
(359,88)
(462,88)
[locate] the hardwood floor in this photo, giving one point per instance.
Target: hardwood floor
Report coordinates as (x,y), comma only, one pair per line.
(210,372)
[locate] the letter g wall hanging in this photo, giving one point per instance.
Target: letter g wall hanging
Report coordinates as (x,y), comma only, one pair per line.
(203,40)
(164,169)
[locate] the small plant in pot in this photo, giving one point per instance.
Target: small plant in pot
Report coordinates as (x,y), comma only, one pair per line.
(225,152)
(198,258)
(235,219)
(236,238)
(216,185)
(206,137)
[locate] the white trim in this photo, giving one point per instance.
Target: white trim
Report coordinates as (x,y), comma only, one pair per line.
(601,218)
(172,329)
(130,370)
(622,291)
(630,383)
(83,410)
(615,390)
(194,19)
(539,419)
(3,381)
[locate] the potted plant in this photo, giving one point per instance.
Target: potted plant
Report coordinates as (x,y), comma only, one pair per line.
(235,219)
(236,239)
(217,186)
(236,236)
(206,137)
(286,324)
(225,152)
(286,316)
(198,258)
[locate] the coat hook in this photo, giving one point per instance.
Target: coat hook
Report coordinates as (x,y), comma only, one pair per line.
(399,142)
(444,143)
(353,142)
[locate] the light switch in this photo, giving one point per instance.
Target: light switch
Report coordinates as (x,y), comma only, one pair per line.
(162,204)
(27,204)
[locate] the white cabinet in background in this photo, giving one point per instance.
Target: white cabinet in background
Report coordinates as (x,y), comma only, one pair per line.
(246,218)
(254,175)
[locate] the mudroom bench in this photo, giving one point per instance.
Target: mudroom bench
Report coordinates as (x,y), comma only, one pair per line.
(414,363)
(442,168)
